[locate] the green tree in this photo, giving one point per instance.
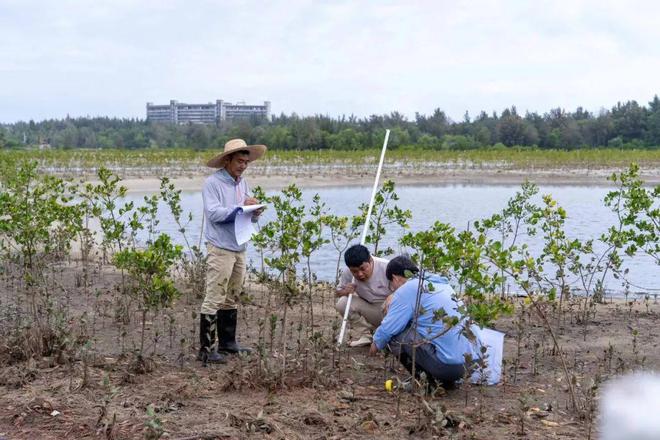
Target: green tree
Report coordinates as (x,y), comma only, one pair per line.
(629,120)
(653,123)
(149,270)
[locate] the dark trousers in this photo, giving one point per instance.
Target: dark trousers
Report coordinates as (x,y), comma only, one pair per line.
(426,360)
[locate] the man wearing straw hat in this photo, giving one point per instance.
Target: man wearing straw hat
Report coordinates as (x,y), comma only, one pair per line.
(223,192)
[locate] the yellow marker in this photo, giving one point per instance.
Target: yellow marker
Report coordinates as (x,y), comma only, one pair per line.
(389,385)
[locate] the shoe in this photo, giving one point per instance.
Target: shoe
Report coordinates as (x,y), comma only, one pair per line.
(227,332)
(207,329)
(407,385)
(362,342)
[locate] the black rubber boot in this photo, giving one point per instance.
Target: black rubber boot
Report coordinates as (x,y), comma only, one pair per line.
(207,329)
(227,332)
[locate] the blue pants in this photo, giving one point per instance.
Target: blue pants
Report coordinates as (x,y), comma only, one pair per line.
(426,359)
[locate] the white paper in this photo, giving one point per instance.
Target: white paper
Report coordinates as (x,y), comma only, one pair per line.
(243,226)
(494,343)
(250,208)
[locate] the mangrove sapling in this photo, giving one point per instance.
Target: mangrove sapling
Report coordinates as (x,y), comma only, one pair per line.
(638,211)
(480,367)
(520,331)
(515,262)
(171,321)
(558,250)
(193,259)
(637,359)
(310,242)
(442,250)
(536,347)
(566,255)
(591,275)
(608,355)
(109,393)
(86,239)
(637,228)
(563,254)
(149,269)
(261,346)
(144,216)
(342,233)
(38,220)
(156,337)
(384,217)
(104,199)
(153,426)
(260,241)
(35,209)
(86,236)
(146,213)
(273,326)
(85,358)
(283,238)
(591,400)
(465,258)
(540,310)
(508,224)
(527,265)
(523,407)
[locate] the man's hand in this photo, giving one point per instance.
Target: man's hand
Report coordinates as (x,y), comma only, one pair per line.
(373,350)
(386,303)
(346,290)
(252,201)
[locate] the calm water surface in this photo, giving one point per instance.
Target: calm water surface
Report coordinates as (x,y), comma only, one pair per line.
(457,205)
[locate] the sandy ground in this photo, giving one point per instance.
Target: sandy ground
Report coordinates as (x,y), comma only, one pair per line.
(319,177)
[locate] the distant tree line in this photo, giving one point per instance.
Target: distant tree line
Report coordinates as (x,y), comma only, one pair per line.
(626,125)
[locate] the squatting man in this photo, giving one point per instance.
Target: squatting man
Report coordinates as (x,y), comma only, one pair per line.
(441,351)
(366,281)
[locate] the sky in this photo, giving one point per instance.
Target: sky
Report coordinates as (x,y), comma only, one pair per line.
(110,57)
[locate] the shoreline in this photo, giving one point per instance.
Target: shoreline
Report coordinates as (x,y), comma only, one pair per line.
(328,178)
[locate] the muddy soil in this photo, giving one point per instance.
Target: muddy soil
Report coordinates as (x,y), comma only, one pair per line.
(96,387)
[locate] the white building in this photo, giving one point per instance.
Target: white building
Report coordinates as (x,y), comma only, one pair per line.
(211,113)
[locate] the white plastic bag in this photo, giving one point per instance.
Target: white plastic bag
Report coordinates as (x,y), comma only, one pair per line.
(494,343)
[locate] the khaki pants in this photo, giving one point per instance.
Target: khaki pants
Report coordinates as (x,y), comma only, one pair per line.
(224,279)
(364,317)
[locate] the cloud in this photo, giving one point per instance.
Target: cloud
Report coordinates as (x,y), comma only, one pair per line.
(335,57)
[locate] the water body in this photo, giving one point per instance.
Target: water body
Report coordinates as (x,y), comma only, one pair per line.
(458,205)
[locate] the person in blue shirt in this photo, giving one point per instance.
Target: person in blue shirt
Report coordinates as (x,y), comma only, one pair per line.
(440,346)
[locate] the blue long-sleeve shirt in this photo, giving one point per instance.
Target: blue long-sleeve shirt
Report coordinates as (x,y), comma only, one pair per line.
(452,345)
(222,194)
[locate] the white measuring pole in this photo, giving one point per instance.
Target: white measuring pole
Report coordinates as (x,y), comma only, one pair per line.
(365,231)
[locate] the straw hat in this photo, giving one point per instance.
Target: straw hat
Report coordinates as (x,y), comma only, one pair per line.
(232,146)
